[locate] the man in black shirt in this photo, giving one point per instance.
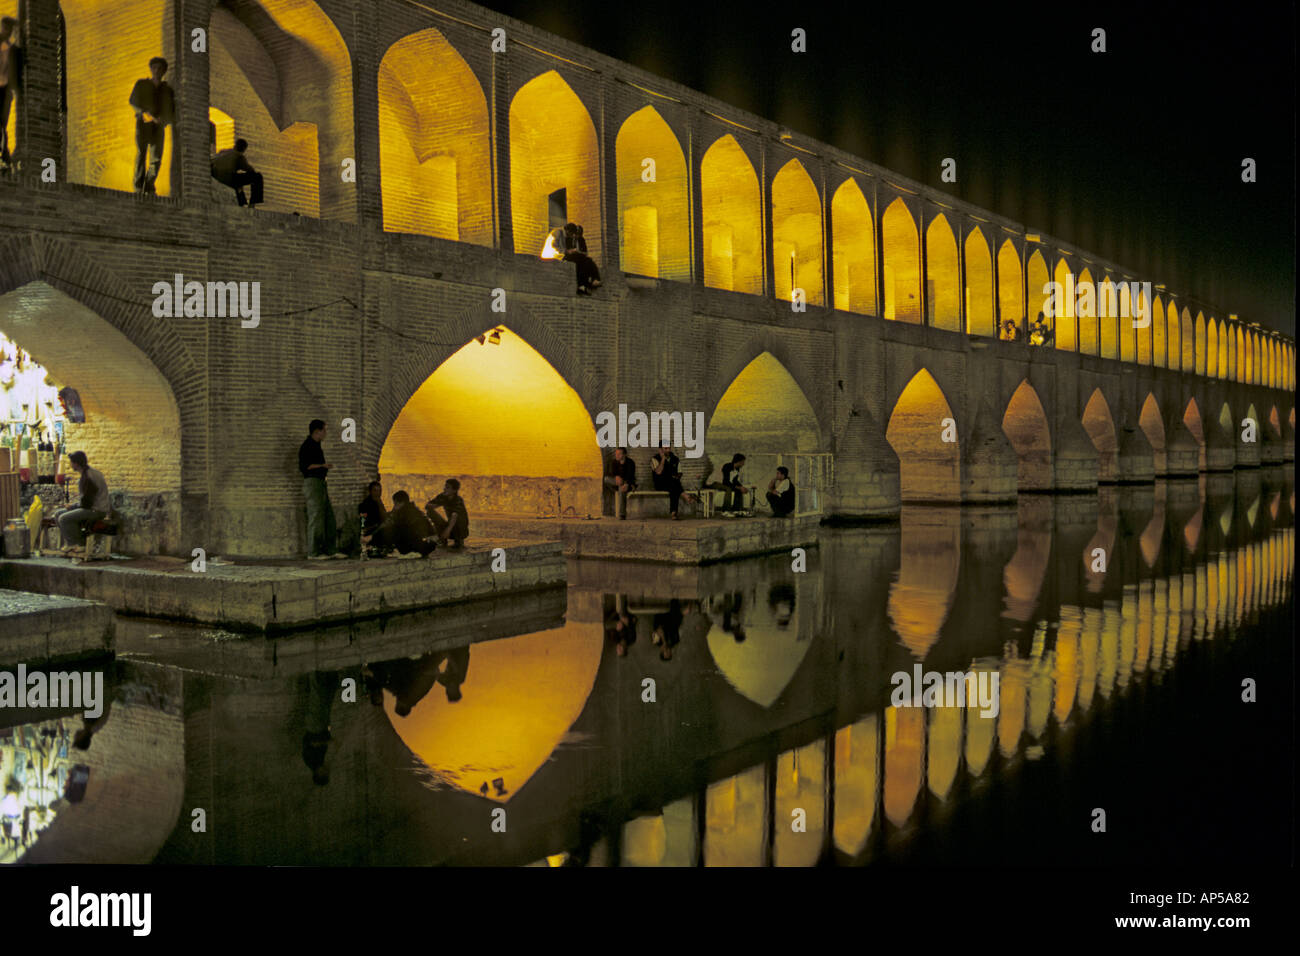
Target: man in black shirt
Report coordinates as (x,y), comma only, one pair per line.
(322,532)
(454,527)
(154,103)
(780,493)
(668,477)
(231,168)
(621,476)
(731,481)
(406,528)
(372,508)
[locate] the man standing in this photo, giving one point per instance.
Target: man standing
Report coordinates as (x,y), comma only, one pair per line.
(95,502)
(155,109)
(321,529)
(10,54)
(621,477)
(231,168)
(780,493)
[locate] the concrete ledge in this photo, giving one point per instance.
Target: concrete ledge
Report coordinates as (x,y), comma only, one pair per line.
(666,542)
(284,595)
(40,628)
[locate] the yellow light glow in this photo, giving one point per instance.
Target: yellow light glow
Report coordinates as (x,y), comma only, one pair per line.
(928,470)
(730,203)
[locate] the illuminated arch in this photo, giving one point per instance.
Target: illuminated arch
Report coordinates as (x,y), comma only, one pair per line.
(762,414)
(132,427)
(102,61)
(1159,329)
(762,666)
(1202,346)
(1089,324)
(552,147)
(1025,425)
(654,218)
(857,751)
(929,468)
(1036,278)
(1064,321)
(853,248)
(730,198)
(1154,427)
(902,289)
(1108,318)
(979,285)
(1225,350)
(797,234)
(1173,337)
(1011,296)
(1275,423)
(943,290)
(281,70)
(1240,356)
(904,761)
(1250,351)
(435,157)
(1128,336)
(1212,348)
(1192,419)
(505,463)
(1146,308)
(1100,426)
(1188,342)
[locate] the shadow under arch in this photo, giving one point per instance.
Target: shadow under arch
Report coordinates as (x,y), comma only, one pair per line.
(476,418)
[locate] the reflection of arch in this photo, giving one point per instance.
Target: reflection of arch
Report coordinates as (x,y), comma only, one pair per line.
(521,695)
(552,147)
(434,142)
(1011,297)
(730,204)
(280,68)
(904,761)
(797,234)
(942,288)
(979,285)
(1025,424)
(902,291)
(929,467)
(922,595)
(857,749)
(762,666)
(1100,426)
(854,250)
(653,217)
(1154,427)
(511,466)
(1192,419)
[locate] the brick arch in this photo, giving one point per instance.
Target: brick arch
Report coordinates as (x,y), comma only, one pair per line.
(402,379)
(770,341)
(905,365)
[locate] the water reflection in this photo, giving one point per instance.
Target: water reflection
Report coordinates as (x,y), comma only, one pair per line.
(731,715)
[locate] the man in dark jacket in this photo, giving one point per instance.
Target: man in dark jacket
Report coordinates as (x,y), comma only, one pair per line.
(154,103)
(668,477)
(621,476)
(371,509)
(455,526)
(322,530)
(406,528)
(231,168)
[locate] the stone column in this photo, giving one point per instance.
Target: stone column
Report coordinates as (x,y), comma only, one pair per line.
(39,122)
(867,482)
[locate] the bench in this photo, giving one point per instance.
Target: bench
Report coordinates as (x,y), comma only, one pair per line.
(647,504)
(106,528)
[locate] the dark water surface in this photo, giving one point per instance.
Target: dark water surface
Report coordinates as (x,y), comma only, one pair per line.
(771,737)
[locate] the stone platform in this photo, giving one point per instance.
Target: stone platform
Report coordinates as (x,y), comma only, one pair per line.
(41,628)
(689,541)
(273,596)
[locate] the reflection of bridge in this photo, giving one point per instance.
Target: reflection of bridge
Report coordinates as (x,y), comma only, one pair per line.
(457,149)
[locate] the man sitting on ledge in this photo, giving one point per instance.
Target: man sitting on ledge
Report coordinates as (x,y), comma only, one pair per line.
(780,493)
(95,502)
(231,168)
(456,525)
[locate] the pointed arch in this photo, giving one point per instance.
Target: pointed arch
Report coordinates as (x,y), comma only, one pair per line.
(1173,337)
(1025,424)
(1238,341)
(1192,419)
(1036,279)
(1225,350)
(654,217)
(943,295)
(979,285)
(1128,335)
(1089,325)
(1011,296)
(797,234)
(1159,333)
(1108,319)
(1146,308)
(434,142)
(902,280)
(1186,337)
(929,466)
(1154,426)
(1100,425)
(1063,318)
(1202,350)
(853,250)
(731,204)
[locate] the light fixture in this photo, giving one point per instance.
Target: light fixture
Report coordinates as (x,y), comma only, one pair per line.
(495,337)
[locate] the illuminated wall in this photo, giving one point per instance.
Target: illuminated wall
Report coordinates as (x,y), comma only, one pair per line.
(797,234)
(731,203)
(1239,355)
(902,279)
(1025,424)
(929,468)
(654,218)
(552,146)
(763,413)
(1180,349)
(1100,426)
(1063,322)
(1159,346)
(1127,334)
(1154,427)
(9,8)
(1108,320)
(943,288)
(1199,346)
(477,419)
(1192,419)
(1035,280)
(281,70)
(979,285)
(1011,295)
(132,429)
(1089,324)
(853,250)
(923,593)
(1143,306)
(434,142)
(109,46)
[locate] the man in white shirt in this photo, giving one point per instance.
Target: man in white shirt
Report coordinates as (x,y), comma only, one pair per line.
(780,493)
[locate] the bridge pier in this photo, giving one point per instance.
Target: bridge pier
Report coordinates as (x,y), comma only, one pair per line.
(1135,463)
(1182,451)
(988,460)
(867,478)
(1075,462)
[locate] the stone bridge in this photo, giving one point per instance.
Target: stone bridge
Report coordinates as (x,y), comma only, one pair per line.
(804,300)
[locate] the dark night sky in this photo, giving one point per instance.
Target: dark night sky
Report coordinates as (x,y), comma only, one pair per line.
(1134,154)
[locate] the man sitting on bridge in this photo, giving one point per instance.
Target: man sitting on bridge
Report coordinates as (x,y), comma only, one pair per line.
(95,502)
(406,529)
(231,168)
(780,493)
(456,525)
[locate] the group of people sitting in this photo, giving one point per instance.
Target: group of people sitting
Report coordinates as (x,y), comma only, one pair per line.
(1040,332)
(666,476)
(408,530)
